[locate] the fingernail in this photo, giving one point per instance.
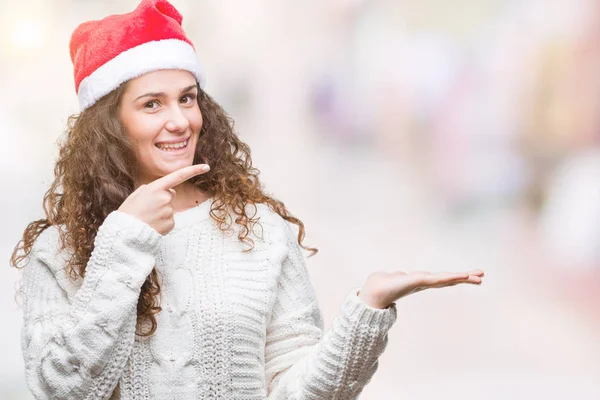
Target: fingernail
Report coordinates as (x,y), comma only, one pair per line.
(205,168)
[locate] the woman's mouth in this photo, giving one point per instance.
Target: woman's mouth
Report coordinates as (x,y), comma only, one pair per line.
(173,147)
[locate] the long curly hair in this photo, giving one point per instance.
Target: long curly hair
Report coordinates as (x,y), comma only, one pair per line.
(95,172)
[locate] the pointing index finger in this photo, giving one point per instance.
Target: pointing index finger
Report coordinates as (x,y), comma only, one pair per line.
(175,178)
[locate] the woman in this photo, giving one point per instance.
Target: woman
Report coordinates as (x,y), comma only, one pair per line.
(154,276)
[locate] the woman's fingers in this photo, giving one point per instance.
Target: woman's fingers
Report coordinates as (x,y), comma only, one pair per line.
(476,272)
(175,178)
(468,282)
(442,279)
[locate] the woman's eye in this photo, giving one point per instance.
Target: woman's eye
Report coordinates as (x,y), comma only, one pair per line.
(188,98)
(151,104)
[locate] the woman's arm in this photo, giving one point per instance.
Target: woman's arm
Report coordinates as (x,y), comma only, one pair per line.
(75,347)
(301,361)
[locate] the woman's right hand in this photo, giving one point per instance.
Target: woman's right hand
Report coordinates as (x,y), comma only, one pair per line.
(153,203)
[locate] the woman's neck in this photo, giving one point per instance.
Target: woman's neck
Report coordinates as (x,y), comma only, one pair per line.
(187,196)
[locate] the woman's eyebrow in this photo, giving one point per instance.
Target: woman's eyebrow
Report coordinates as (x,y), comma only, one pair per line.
(162,94)
(187,89)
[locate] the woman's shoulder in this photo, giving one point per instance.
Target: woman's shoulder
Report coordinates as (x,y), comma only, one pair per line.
(262,224)
(272,220)
(265,212)
(48,248)
(47,241)
(278,231)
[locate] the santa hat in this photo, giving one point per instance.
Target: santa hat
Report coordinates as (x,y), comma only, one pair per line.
(118,48)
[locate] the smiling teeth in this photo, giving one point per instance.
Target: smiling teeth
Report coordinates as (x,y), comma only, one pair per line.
(173,146)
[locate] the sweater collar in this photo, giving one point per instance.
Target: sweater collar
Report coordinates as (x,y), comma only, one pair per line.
(193,215)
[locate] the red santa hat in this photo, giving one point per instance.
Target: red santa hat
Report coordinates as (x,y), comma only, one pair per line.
(118,48)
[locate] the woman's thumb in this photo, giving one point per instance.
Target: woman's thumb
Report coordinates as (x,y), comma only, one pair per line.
(136,191)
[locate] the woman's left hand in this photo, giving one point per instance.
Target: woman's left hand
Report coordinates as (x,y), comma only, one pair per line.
(384,288)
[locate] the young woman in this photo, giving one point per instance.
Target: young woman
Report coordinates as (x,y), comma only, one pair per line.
(155,276)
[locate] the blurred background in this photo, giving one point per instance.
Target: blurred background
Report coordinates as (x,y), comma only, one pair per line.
(432,135)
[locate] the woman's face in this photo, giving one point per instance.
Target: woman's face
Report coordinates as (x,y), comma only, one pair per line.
(160,112)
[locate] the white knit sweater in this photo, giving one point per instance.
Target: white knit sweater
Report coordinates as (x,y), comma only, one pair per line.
(234,324)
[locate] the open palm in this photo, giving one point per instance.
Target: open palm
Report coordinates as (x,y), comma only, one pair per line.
(384,288)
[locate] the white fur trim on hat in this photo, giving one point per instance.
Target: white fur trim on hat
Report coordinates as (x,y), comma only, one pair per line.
(137,61)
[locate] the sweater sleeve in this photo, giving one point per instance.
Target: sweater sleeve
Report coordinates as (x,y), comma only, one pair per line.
(301,361)
(76,341)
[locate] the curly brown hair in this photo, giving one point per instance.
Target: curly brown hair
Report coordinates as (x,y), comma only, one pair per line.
(95,172)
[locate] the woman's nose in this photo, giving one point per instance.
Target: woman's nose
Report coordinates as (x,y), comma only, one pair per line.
(177,121)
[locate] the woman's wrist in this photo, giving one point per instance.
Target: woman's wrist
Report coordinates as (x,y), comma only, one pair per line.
(371,301)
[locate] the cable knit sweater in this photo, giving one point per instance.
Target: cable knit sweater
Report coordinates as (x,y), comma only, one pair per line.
(234,324)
